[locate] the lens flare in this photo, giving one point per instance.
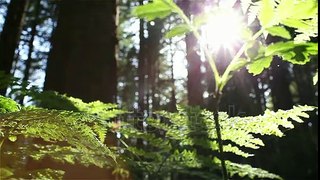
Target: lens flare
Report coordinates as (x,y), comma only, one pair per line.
(223,29)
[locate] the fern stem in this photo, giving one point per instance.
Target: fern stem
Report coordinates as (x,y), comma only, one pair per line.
(227,73)
(219,138)
(218,90)
(196,33)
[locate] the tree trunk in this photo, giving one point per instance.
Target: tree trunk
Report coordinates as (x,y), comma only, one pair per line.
(10,35)
(173,100)
(305,87)
(82,61)
(28,63)
(281,95)
(194,86)
(141,66)
(153,55)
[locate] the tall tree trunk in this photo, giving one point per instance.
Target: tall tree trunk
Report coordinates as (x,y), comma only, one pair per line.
(173,100)
(10,35)
(82,61)
(153,55)
(141,66)
(194,86)
(305,87)
(28,63)
(281,95)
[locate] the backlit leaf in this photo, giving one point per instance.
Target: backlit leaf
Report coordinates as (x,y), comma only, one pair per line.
(12,138)
(267,14)
(259,65)
(294,53)
(295,23)
(297,9)
(241,62)
(178,30)
(156,9)
(279,31)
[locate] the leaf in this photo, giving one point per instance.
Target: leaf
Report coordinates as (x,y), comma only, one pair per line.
(266,15)
(295,23)
(12,138)
(304,9)
(241,62)
(178,30)
(156,9)
(253,49)
(299,9)
(284,9)
(259,65)
(279,31)
(6,172)
(278,47)
(294,53)
(247,170)
(8,105)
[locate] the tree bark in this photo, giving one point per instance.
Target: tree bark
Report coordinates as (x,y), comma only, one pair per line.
(153,55)
(10,35)
(194,77)
(141,66)
(82,61)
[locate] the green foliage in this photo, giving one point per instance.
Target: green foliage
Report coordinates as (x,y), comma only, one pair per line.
(73,137)
(244,170)
(8,105)
(175,142)
(259,65)
(178,30)
(68,130)
(292,52)
(155,9)
(53,100)
(274,16)
(181,143)
(267,15)
(279,31)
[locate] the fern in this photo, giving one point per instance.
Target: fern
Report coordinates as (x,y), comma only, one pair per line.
(184,142)
(72,136)
(189,140)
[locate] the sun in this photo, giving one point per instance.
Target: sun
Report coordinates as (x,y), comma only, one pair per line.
(223,29)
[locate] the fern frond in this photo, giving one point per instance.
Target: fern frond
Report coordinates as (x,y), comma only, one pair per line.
(8,105)
(53,100)
(55,126)
(191,127)
(244,170)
